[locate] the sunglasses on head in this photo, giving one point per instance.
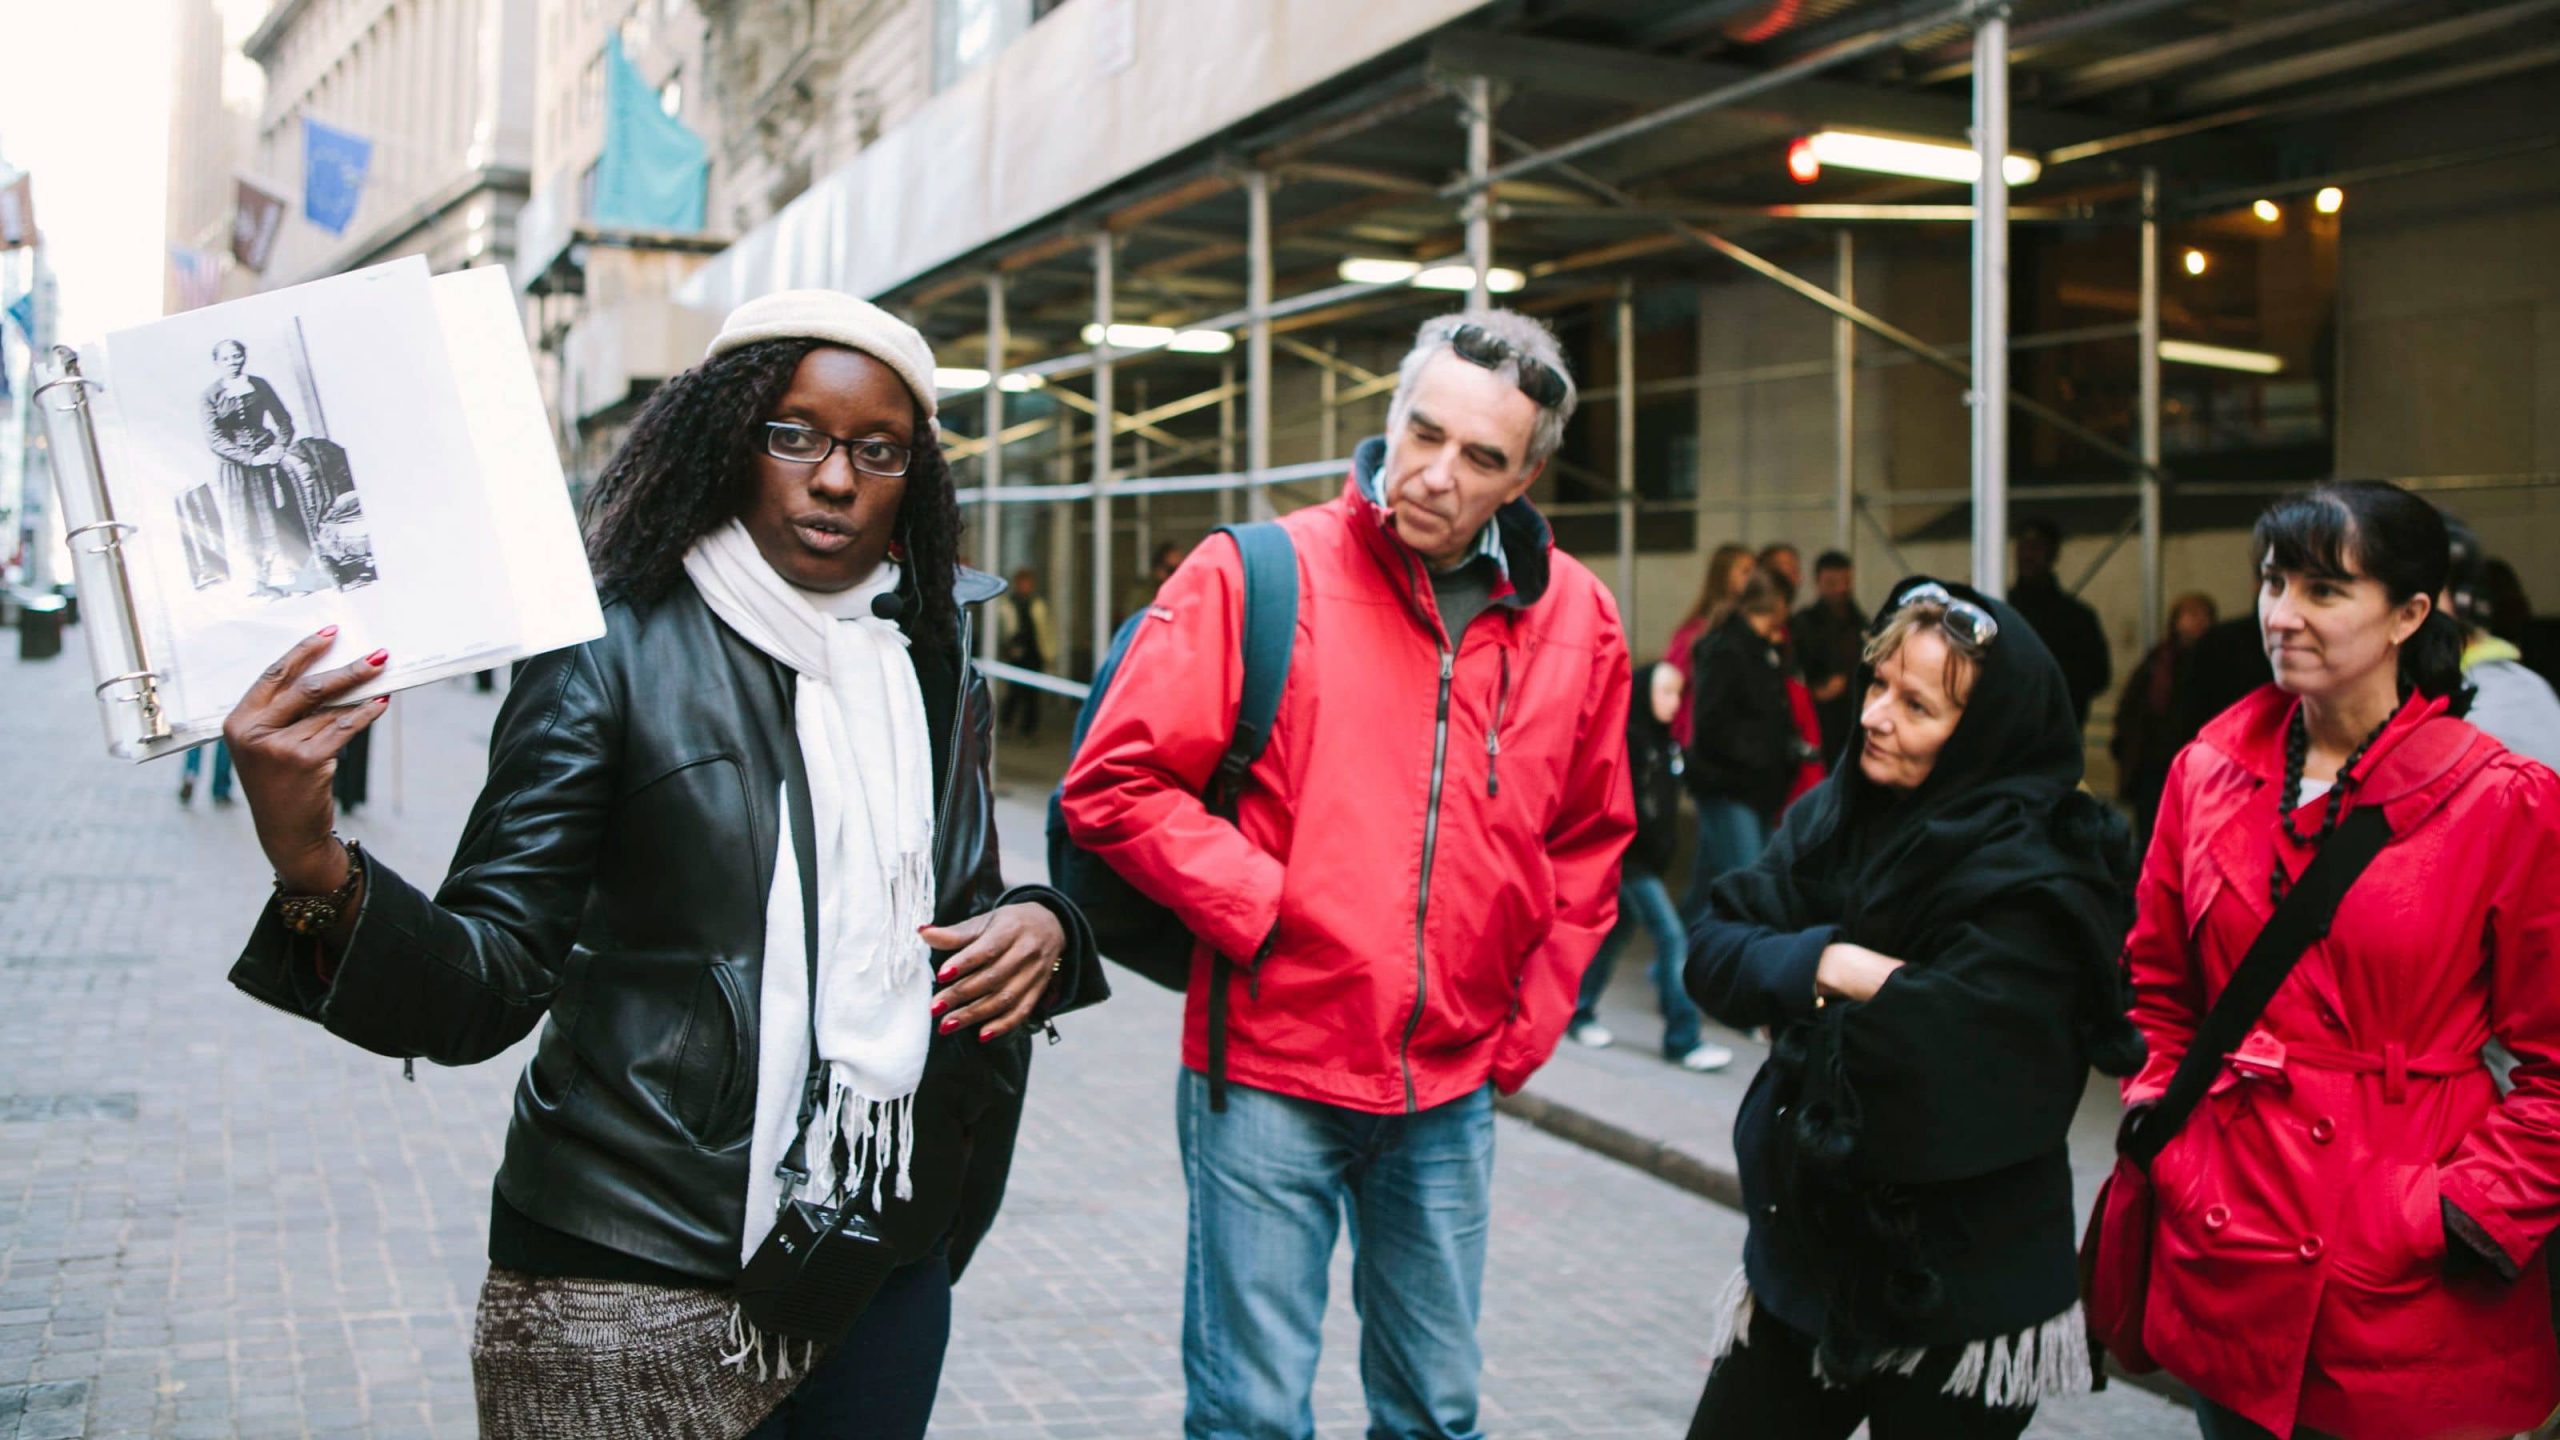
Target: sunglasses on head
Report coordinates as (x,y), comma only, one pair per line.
(1538,380)
(1963,619)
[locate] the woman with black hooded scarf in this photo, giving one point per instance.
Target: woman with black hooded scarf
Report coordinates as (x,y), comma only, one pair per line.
(1933,936)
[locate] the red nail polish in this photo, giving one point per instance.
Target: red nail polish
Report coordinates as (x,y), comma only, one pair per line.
(939,1006)
(951,1024)
(984,1037)
(376,658)
(381,699)
(328,630)
(946,972)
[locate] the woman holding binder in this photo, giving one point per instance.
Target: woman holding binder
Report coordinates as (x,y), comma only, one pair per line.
(740,852)
(2352,1196)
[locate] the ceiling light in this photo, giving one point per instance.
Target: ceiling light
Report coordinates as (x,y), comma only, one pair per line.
(1802,163)
(2329,199)
(2194,261)
(2267,210)
(1921,159)
(1017,384)
(1132,337)
(1497,280)
(951,379)
(1372,271)
(1203,342)
(2220,357)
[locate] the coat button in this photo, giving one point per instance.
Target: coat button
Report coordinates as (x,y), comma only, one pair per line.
(2309,1250)
(2217,1217)
(2330,1018)
(2322,1131)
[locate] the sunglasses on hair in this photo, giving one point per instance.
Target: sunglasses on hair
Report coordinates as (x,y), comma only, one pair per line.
(1538,380)
(1963,619)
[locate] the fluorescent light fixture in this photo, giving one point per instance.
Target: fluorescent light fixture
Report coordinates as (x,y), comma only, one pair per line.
(1132,337)
(1203,342)
(1369,270)
(2329,199)
(959,379)
(2220,357)
(2267,210)
(1921,159)
(1497,280)
(2194,261)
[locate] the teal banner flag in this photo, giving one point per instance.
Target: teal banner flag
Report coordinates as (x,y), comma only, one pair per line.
(653,169)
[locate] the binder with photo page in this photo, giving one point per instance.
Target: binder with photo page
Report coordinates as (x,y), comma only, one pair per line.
(368,451)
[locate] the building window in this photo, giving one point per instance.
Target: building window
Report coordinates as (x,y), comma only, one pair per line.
(967,33)
(671,97)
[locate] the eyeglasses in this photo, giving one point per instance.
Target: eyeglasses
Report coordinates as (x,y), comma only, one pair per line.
(802,445)
(1538,380)
(1964,620)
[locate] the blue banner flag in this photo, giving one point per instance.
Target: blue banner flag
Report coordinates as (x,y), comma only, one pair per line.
(652,172)
(23,311)
(333,166)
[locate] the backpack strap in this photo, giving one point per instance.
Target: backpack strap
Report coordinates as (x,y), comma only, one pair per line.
(1270,637)
(2300,921)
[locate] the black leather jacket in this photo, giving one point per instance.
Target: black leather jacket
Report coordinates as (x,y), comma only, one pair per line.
(614,874)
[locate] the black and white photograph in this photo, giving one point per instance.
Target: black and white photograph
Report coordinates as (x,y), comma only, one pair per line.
(280,515)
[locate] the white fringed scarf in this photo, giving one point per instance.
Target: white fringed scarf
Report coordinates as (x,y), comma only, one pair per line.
(860,724)
(2040,1363)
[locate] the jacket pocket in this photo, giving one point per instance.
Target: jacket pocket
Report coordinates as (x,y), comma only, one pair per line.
(2390,1230)
(656,1028)
(711,1060)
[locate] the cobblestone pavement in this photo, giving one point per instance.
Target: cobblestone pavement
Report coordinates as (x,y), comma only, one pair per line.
(217,1221)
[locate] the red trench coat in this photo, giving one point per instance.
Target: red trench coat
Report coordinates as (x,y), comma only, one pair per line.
(2298,1268)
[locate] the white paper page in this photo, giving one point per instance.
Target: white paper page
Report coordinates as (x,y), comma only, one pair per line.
(249,536)
(537,527)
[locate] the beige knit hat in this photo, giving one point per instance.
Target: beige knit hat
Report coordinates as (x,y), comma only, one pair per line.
(838,319)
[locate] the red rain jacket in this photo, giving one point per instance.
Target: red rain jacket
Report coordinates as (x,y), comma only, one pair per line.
(2298,1269)
(1426,856)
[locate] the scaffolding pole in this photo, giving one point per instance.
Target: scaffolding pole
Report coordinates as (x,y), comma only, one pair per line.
(1627,454)
(1102,444)
(991,466)
(1257,293)
(1479,206)
(1844,398)
(2147,419)
(1227,439)
(1990,389)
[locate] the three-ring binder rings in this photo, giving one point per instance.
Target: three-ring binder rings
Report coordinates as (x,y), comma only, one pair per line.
(368,451)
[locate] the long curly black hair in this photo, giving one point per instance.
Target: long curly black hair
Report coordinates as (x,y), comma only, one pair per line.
(689,463)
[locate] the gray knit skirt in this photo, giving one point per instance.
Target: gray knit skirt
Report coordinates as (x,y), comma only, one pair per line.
(561,1359)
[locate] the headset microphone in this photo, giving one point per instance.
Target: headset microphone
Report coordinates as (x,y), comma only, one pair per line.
(889,605)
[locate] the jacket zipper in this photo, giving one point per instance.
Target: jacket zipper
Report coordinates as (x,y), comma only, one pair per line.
(1430,835)
(959,717)
(1493,733)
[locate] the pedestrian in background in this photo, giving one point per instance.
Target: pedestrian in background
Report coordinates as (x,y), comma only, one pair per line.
(720,847)
(2066,625)
(1830,634)
(1784,561)
(1653,765)
(1727,569)
(2513,704)
(1932,936)
(2353,1196)
(1743,749)
(2145,711)
(1025,640)
(194,766)
(1421,866)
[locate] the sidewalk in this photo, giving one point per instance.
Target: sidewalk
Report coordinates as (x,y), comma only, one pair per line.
(217,1221)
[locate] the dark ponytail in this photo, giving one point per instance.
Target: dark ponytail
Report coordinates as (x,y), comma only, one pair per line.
(2347,528)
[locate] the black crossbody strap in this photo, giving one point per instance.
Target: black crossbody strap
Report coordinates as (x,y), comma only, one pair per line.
(2302,919)
(804,847)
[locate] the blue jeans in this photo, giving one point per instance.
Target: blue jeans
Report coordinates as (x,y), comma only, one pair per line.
(1730,835)
(194,763)
(1272,1181)
(2214,1422)
(1642,900)
(879,1381)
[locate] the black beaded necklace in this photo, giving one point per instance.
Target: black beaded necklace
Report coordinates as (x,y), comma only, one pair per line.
(2297,753)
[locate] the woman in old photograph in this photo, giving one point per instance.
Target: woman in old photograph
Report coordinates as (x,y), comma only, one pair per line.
(741,851)
(249,431)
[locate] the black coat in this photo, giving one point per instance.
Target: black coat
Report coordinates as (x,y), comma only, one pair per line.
(613,876)
(1654,765)
(1742,730)
(1828,644)
(1903,1159)
(2071,632)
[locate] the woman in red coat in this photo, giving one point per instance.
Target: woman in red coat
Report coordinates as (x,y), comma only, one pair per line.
(2350,1230)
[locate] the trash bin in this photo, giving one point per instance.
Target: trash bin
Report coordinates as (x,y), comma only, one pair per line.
(40,626)
(70,594)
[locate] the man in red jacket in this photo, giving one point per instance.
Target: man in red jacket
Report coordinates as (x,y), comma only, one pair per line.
(1423,862)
